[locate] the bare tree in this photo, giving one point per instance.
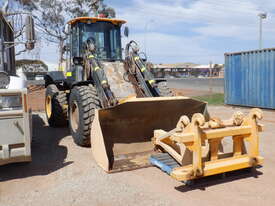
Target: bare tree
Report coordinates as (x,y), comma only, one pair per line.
(52,15)
(20,22)
(217,69)
(99,7)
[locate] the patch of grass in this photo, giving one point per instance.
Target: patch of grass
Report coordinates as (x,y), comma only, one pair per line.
(213,99)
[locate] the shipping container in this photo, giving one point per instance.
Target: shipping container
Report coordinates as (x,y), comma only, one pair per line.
(250,78)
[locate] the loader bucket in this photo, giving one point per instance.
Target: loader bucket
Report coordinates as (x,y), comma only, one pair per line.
(121,136)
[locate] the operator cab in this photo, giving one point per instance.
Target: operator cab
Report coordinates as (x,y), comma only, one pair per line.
(104,32)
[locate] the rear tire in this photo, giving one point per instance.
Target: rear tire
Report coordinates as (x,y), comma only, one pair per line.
(83,102)
(165,91)
(56,107)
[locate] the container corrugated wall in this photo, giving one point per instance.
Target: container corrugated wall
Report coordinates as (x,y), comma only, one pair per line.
(250,78)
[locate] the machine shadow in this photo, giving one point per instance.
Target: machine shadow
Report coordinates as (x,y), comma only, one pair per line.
(47,155)
(204,183)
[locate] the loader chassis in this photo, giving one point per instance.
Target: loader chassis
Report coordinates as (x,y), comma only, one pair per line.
(96,76)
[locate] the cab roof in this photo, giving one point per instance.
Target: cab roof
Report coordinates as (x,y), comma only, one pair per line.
(96,19)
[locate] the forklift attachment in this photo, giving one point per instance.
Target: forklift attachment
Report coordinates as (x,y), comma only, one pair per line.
(121,136)
(197,145)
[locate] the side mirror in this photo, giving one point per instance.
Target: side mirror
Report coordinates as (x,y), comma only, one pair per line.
(126,31)
(30,33)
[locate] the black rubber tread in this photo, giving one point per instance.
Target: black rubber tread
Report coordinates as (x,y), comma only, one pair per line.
(87,100)
(165,91)
(59,114)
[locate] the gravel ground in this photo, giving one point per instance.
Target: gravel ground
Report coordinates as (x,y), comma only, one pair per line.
(62,173)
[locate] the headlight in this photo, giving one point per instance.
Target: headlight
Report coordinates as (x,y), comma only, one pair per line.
(10,102)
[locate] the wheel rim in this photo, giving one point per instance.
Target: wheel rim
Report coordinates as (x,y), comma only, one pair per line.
(49,106)
(74,116)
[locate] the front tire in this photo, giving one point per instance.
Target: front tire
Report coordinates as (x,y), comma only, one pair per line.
(56,107)
(82,104)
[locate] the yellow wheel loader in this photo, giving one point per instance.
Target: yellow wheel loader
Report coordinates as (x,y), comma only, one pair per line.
(112,104)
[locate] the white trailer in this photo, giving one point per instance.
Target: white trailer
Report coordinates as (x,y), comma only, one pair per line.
(15,113)
(15,126)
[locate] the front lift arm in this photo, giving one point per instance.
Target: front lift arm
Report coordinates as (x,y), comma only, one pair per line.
(97,74)
(137,69)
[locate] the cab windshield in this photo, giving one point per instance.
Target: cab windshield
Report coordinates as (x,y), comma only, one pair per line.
(107,39)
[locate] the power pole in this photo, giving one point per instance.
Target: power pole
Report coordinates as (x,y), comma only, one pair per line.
(210,78)
(261,16)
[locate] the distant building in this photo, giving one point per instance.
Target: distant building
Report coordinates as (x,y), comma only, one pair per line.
(31,69)
(181,70)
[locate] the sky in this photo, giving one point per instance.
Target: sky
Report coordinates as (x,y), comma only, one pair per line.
(197,31)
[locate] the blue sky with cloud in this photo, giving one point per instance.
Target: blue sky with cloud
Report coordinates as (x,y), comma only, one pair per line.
(196,31)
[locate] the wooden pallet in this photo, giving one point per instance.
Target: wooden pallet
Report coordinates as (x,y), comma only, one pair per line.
(164,161)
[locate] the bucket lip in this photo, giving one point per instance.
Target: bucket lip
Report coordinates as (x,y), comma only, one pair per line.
(155,99)
(152,99)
